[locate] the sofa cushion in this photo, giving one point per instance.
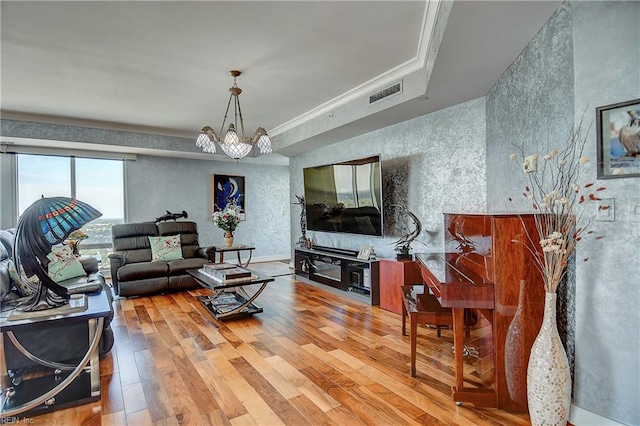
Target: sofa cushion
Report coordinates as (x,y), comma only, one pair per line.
(182,282)
(145,286)
(142,270)
(63,265)
(188,232)
(179,267)
(131,240)
(164,249)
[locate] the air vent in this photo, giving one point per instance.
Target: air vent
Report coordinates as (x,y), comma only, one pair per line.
(385,93)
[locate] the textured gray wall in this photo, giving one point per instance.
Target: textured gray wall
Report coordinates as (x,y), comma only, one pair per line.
(606,38)
(445,157)
(586,56)
(155,184)
(531,102)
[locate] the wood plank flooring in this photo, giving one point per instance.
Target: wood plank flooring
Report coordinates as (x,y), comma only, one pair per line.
(311,358)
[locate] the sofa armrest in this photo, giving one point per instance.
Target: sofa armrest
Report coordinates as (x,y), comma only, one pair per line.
(208,253)
(90,264)
(116,261)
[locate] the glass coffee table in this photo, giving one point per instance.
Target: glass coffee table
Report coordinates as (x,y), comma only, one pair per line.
(230,300)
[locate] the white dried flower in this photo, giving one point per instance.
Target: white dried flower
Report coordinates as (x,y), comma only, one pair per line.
(547,157)
(513,156)
(618,171)
(584,160)
(549,248)
(562,162)
(530,163)
(554,152)
(575,187)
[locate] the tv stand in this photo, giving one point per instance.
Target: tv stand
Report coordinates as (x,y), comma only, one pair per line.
(340,269)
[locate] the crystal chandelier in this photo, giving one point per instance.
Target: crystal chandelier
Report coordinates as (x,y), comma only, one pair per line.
(234,145)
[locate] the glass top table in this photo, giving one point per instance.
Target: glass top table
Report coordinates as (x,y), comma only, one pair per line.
(238,248)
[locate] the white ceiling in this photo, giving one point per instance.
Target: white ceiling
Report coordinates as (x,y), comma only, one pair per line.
(162,67)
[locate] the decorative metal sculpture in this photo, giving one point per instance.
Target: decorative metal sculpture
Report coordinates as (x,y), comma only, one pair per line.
(403,245)
(172,216)
(46,222)
(303,219)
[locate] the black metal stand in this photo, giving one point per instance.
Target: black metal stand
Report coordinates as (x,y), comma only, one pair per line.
(41,300)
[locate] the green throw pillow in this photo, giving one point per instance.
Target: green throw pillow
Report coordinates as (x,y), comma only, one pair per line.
(165,248)
(63,265)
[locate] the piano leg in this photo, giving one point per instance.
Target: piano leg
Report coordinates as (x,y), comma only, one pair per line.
(479,397)
(458,345)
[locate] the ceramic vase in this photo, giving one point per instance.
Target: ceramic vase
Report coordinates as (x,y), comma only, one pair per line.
(548,376)
(515,347)
(228,239)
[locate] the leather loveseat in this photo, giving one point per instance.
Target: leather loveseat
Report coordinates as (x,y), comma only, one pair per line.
(132,271)
(63,344)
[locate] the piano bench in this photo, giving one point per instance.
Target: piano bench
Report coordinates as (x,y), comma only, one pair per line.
(422,308)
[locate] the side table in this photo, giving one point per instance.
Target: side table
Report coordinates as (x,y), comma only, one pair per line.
(239,248)
(65,385)
(393,275)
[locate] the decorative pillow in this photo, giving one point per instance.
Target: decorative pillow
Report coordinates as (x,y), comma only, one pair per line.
(165,248)
(63,265)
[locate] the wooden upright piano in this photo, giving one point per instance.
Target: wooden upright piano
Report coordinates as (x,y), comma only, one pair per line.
(481,271)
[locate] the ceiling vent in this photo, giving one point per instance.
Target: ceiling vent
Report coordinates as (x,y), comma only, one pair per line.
(385,93)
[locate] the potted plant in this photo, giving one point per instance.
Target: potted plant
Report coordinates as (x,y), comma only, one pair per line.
(228,220)
(74,239)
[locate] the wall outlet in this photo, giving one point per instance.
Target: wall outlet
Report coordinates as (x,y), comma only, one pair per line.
(635,210)
(606,210)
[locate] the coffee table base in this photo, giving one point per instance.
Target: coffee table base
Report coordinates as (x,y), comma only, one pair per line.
(229,304)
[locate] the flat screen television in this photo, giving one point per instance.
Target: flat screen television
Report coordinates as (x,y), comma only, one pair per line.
(345,197)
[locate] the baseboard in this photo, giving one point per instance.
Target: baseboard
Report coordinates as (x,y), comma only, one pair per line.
(256,259)
(581,417)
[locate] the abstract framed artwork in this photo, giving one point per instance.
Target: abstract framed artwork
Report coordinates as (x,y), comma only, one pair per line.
(618,134)
(227,189)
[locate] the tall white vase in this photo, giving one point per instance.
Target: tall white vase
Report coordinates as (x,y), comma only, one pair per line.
(548,376)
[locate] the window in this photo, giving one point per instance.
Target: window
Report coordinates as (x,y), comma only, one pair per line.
(97,182)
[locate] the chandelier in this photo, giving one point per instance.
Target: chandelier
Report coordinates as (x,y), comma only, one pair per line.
(234,145)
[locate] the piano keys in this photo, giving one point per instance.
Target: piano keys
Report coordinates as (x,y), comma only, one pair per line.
(481,269)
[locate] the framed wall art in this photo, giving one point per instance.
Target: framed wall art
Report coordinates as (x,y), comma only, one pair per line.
(227,189)
(618,134)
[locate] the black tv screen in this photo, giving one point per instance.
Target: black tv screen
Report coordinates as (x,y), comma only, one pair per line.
(345,197)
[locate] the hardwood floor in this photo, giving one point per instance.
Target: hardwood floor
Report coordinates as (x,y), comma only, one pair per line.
(311,358)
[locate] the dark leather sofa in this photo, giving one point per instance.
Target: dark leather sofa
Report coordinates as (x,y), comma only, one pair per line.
(63,344)
(132,271)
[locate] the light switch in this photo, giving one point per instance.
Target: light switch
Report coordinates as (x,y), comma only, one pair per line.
(606,210)
(635,210)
